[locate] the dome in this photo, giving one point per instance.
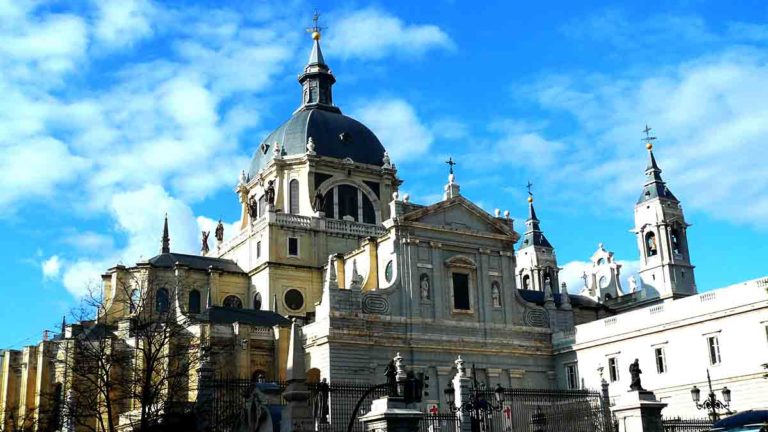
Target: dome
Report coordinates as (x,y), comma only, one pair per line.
(334,135)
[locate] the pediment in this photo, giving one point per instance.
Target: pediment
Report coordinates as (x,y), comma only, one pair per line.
(460,214)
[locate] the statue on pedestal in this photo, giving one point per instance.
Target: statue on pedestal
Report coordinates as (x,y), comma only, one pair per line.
(634,372)
(320,406)
(219,232)
(270,192)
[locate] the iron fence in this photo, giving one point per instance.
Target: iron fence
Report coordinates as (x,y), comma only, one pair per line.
(229,395)
(544,410)
(678,424)
(442,422)
(343,397)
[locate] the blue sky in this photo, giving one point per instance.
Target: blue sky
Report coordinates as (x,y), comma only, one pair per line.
(117,111)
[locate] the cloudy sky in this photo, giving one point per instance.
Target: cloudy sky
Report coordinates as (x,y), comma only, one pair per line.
(114,112)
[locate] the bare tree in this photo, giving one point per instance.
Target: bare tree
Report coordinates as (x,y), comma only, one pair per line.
(131,356)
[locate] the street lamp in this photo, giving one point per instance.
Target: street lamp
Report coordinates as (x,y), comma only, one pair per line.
(711,403)
(478,406)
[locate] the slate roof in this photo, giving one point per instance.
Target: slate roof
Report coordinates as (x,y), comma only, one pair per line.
(533,235)
(261,318)
(537,297)
(168,260)
(654,185)
(326,129)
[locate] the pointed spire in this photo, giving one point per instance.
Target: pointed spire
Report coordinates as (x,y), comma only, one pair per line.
(63,324)
(533,234)
(317,79)
(654,186)
(166,241)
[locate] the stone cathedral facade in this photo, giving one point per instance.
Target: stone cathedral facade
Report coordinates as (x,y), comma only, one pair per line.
(326,239)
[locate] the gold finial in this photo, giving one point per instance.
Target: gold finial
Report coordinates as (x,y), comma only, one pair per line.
(530,199)
(649,145)
(315,29)
(529,186)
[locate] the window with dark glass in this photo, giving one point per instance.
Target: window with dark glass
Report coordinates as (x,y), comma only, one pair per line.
(613,369)
(714,350)
(461,291)
(293,246)
(135,299)
(328,204)
(194,301)
(675,237)
(661,361)
(257,301)
(293,198)
(162,301)
(347,201)
(258,249)
(572,376)
(233,301)
(369,214)
(262,205)
(526,282)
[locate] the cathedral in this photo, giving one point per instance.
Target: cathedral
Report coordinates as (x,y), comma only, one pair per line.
(325,240)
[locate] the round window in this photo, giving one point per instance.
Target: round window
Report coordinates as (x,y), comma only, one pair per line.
(294,299)
(388,272)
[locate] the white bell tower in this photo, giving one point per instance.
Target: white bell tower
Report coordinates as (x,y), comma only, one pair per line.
(662,236)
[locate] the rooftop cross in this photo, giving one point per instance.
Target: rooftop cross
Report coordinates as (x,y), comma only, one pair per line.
(648,138)
(315,29)
(529,186)
(450,163)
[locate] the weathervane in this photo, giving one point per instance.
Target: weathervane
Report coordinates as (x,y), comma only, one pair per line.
(648,138)
(450,163)
(315,29)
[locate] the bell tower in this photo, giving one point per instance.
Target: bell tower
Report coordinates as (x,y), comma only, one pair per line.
(536,261)
(662,235)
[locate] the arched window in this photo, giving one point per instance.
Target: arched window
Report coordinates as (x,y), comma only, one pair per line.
(233,301)
(676,243)
(526,282)
(135,299)
(257,301)
(194,301)
(601,261)
(162,300)
(650,244)
(293,196)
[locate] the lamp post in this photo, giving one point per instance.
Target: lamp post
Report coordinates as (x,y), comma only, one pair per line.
(711,403)
(478,407)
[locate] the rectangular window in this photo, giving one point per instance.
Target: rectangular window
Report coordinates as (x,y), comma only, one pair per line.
(572,376)
(293,246)
(661,361)
(258,249)
(714,350)
(613,369)
(461,291)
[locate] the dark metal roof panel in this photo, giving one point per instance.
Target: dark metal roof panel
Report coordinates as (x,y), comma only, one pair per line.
(261,318)
(168,260)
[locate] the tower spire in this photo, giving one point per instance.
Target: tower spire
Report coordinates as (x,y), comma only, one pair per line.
(654,186)
(317,79)
(166,241)
(533,234)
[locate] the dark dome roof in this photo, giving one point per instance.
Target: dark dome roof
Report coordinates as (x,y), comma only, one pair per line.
(334,135)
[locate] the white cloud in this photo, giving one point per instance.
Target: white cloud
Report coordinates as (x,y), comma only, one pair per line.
(122,22)
(398,127)
(374,34)
(52,267)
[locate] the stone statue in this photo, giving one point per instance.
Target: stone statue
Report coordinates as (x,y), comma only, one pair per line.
(270,192)
(320,405)
(495,295)
(243,177)
(204,248)
(391,374)
(632,283)
(634,372)
(220,232)
(276,150)
(386,160)
(547,284)
(310,146)
(319,203)
(424,283)
(253,208)
(255,415)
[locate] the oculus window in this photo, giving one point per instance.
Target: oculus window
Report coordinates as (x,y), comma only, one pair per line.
(461,291)
(294,299)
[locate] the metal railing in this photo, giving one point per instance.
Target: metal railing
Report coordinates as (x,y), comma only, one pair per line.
(678,424)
